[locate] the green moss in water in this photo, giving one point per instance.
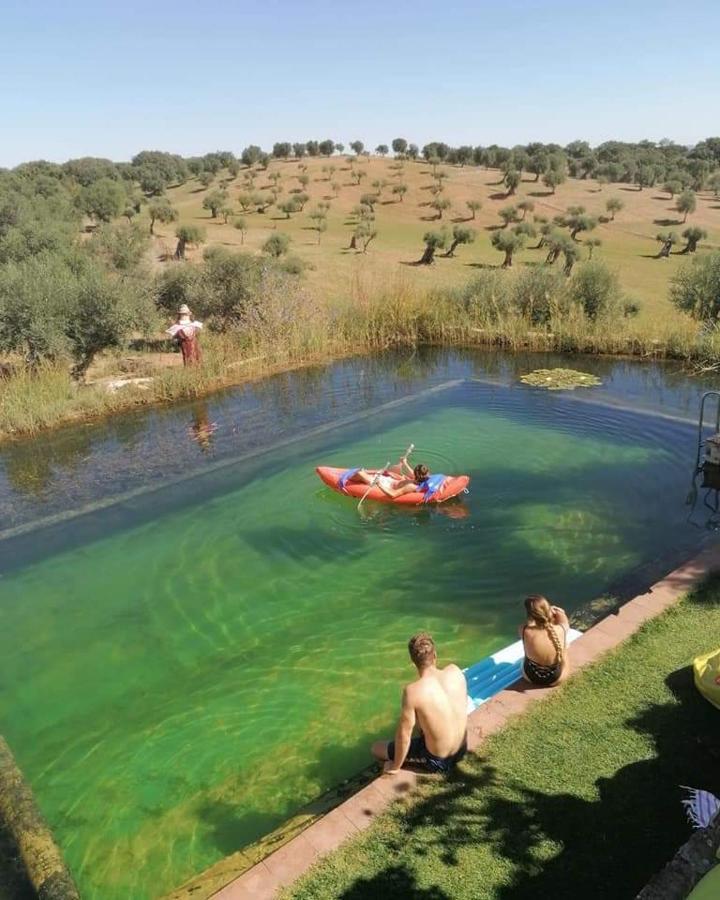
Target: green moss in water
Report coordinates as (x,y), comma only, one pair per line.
(560,379)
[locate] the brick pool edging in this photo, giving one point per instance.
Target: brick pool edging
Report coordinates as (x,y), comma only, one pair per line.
(285,865)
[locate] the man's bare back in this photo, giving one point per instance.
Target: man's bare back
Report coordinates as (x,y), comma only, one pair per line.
(437,704)
(439,698)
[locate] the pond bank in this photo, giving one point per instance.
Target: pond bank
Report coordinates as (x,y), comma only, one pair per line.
(525,826)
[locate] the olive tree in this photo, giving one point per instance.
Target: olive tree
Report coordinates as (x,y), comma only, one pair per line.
(613,206)
(241,224)
(382,149)
(695,289)
(319,223)
(246,201)
(282,150)
(693,236)
(596,289)
(509,243)
(460,235)
(53,307)
(103,200)
(434,241)
(357,147)
(214,202)
(512,180)
(592,244)
(399,146)
(667,240)
(686,203)
(474,206)
(553,179)
(508,214)
(161,211)
(289,206)
(188,234)
(277,244)
(440,204)
(400,190)
(369,200)
(571,254)
(526,206)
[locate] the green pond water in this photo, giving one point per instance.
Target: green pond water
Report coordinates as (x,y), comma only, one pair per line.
(181,680)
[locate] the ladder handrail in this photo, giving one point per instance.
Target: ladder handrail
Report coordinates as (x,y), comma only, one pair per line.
(701,421)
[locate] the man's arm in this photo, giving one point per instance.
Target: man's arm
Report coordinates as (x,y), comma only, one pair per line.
(403,734)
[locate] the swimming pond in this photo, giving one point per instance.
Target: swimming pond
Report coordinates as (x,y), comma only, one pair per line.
(182,669)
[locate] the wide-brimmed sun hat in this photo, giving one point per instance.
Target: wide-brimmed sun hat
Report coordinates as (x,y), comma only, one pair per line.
(184,310)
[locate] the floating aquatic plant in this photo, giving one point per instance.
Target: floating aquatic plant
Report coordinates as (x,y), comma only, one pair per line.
(560,379)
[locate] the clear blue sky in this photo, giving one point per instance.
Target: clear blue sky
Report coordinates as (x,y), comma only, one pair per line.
(110,78)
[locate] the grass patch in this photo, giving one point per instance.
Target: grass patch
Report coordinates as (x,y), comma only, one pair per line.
(579,798)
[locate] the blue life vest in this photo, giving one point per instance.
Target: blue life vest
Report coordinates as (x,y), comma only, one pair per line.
(346,476)
(431,485)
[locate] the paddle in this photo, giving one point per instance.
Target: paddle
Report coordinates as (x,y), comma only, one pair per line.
(373,483)
(380,472)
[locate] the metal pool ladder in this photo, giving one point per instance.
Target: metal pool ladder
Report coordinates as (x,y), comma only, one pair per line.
(712,443)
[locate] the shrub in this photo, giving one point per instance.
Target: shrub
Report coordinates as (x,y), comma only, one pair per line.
(486,297)
(596,289)
(536,293)
(277,244)
(695,289)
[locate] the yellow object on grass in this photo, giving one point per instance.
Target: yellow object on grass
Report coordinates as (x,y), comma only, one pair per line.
(708,888)
(707,677)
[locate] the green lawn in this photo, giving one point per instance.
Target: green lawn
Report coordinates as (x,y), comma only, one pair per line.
(579,798)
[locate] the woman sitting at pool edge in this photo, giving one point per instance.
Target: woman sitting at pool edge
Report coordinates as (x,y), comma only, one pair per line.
(544,637)
(401,480)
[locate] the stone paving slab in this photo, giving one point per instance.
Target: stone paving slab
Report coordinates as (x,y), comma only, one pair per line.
(285,865)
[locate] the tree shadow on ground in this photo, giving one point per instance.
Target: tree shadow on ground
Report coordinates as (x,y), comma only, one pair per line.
(667,222)
(395,883)
(561,845)
(499,195)
(540,194)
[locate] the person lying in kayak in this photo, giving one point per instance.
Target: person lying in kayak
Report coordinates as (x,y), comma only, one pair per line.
(395,483)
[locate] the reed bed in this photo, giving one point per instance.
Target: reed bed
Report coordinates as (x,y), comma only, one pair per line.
(289,328)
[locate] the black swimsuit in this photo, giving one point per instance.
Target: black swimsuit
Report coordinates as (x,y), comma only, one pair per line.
(541,675)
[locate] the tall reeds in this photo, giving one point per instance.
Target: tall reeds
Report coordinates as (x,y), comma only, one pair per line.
(289,327)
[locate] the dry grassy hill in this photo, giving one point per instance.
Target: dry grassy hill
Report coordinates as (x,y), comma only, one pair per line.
(628,243)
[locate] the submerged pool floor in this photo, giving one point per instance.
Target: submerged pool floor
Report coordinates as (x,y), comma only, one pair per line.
(181,680)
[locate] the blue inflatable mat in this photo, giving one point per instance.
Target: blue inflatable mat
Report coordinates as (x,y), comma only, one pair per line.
(489,676)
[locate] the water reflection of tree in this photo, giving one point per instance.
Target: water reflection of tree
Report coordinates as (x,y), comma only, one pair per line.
(30,466)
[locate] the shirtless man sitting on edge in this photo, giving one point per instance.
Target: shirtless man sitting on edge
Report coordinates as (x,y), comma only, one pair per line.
(437,703)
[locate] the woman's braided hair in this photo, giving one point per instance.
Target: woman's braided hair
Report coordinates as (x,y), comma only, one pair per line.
(539,613)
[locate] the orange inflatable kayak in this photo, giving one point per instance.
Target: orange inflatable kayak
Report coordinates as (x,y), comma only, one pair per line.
(444,488)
